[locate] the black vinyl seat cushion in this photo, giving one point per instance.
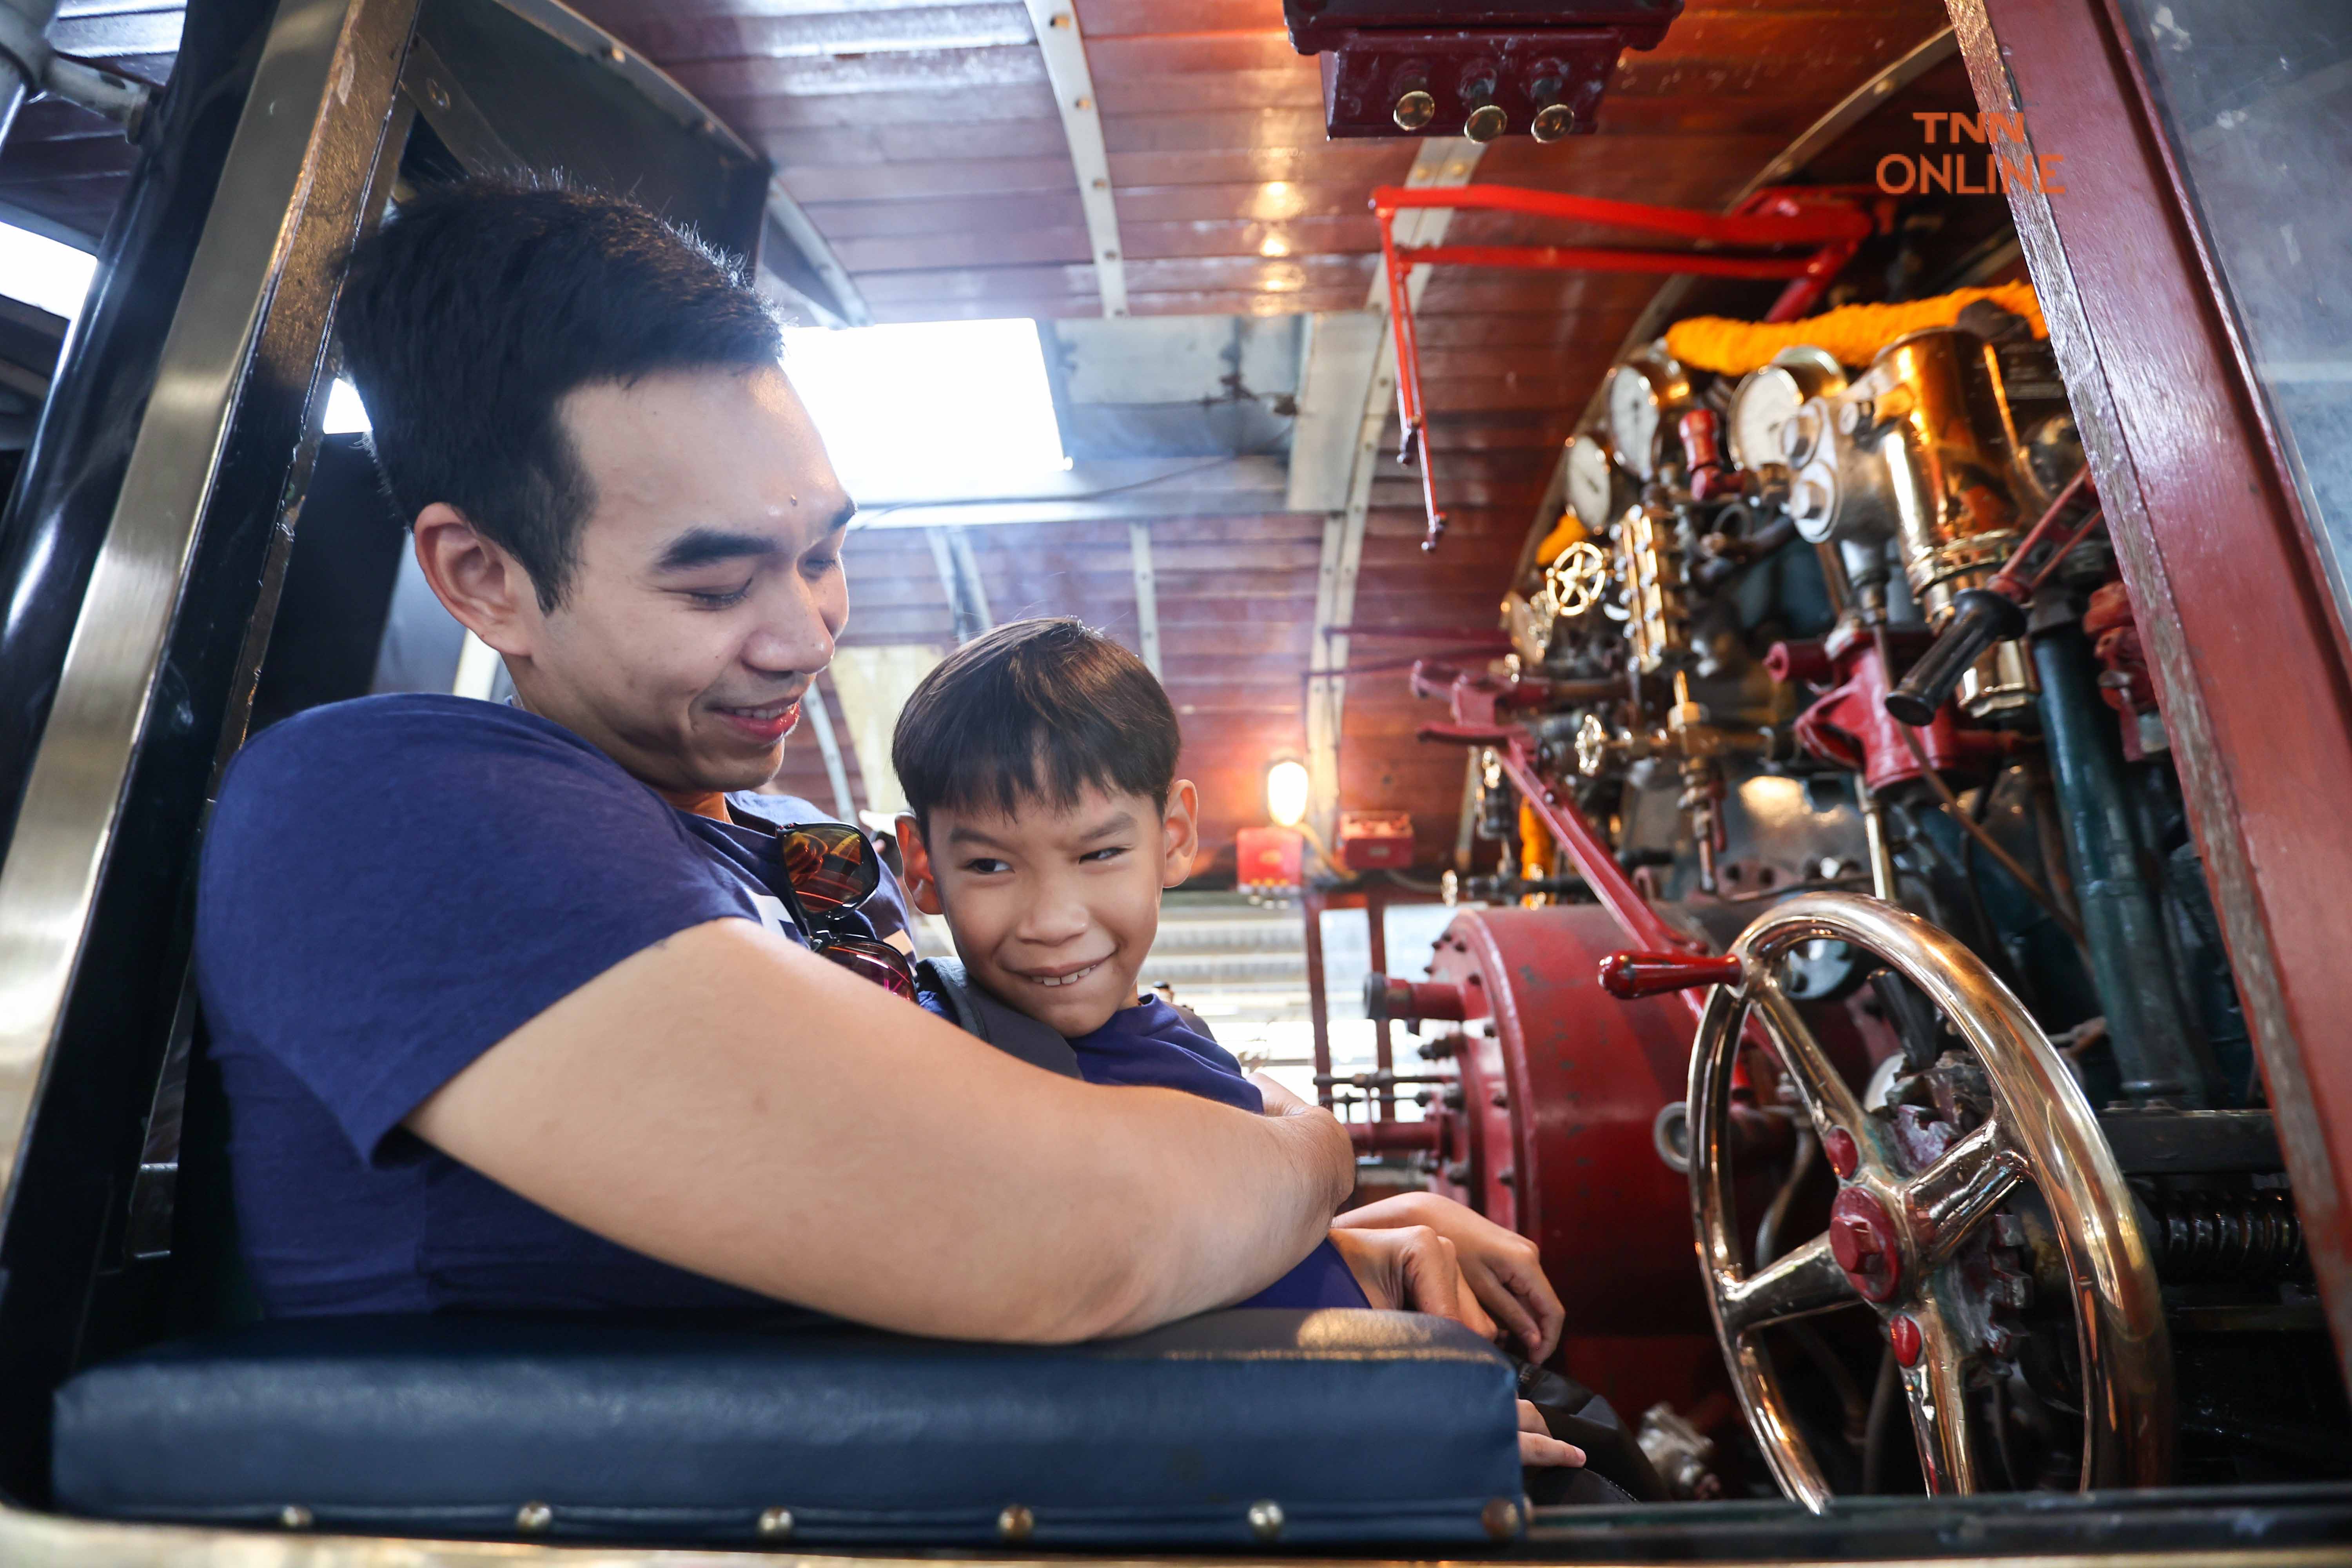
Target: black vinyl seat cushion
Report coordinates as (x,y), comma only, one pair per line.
(1360,1426)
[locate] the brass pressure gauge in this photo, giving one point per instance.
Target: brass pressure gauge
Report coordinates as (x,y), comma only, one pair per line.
(1768,399)
(1644,396)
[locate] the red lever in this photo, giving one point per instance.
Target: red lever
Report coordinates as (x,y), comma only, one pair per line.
(1630,975)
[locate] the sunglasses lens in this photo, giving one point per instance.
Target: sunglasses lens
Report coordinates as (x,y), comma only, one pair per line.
(876,961)
(832,864)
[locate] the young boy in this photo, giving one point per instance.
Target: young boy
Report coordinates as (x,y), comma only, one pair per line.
(1045,819)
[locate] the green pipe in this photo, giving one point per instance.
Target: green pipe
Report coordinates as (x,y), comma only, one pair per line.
(2130,960)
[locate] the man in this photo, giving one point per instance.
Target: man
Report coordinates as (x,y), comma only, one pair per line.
(505,1000)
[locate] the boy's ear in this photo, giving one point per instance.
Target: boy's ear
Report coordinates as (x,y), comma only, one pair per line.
(1180,833)
(923,883)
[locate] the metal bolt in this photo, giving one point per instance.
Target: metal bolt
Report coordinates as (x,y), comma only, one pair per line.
(1013,1525)
(1499,1099)
(1486,122)
(1457,1172)
(776,1523)
(435,93)
(1501,1518)
(1414,110)
(1508,1176)
(1266,1519)
(1110,256)
(1083,104)
(533,1517)
(617,55)
(1061,19)
(294,1516)
(1552,121)
(1102,184)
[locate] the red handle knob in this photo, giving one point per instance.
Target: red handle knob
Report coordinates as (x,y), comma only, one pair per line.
(1630,975)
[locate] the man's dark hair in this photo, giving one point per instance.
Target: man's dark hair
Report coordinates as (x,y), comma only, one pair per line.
(470,315)
(1034,711)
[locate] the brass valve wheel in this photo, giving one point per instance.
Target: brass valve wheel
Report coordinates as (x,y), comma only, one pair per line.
(1577,578)
(1896,1233)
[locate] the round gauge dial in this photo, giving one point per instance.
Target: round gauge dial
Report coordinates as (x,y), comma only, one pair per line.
(1768,398)
(1633,419)
(1764,402)
(1590,484)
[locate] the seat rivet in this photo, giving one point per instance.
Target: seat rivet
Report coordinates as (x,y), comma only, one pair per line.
(776,1522)
(1013,1525)
(1501,1517)
(533,1517)
(294,1516)
(1266,1519)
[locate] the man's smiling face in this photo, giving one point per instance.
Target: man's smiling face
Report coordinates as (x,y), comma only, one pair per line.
(1053,908)
(708,589)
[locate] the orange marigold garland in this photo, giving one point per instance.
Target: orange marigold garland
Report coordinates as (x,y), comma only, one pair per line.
(1854,333)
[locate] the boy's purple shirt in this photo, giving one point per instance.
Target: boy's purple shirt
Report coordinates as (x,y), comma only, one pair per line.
(1151,1045)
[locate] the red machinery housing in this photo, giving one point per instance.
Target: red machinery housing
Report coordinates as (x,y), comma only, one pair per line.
(1548,1131)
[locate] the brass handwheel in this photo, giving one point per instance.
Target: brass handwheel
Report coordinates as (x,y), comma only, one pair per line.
(1896,1232)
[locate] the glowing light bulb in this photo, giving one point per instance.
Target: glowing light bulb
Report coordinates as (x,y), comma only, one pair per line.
(1286,786)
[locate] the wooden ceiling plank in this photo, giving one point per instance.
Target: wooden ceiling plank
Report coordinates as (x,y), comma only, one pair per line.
(683,37)
(756,115)
(847,221)
(944,72)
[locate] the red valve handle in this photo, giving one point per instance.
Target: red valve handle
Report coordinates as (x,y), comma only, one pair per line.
(1629,976)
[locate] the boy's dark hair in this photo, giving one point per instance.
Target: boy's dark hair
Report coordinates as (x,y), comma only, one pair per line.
(1034,711)
(467,319)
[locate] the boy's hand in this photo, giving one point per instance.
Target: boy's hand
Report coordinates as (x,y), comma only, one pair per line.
(1504,1269)
(1414,1269)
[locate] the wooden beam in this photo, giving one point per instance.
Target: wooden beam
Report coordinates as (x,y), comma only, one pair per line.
(1064,51)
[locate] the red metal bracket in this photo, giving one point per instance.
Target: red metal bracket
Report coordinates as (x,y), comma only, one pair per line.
(1777,218)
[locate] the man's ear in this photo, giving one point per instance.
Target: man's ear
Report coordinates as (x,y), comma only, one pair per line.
(923,883)
(477,581)
(1180,833)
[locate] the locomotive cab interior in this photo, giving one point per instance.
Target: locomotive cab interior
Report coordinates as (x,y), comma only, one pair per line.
(1885,969)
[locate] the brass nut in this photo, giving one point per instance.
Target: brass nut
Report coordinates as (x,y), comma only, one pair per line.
(1552,121)
(1016,1524)
(1414,110)
(294,1516)
(1501,1517)
(776,1523)
(1266,1520)
(1487,122)
(533,1517)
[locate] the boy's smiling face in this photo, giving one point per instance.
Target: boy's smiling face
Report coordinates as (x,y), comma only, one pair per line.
(1053,908)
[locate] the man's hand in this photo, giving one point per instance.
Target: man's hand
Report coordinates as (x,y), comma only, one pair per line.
(1414,1269)
(1504,1269)
(1335,1150)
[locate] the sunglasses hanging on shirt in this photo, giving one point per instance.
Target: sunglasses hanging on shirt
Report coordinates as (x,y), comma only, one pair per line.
(830,869)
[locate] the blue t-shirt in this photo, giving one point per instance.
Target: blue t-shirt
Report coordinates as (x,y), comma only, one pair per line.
(1151,1044)
(390,887)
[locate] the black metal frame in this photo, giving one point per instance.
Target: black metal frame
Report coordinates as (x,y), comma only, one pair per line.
(84,1269)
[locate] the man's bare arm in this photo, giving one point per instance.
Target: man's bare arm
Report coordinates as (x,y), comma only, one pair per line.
(733,1104)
